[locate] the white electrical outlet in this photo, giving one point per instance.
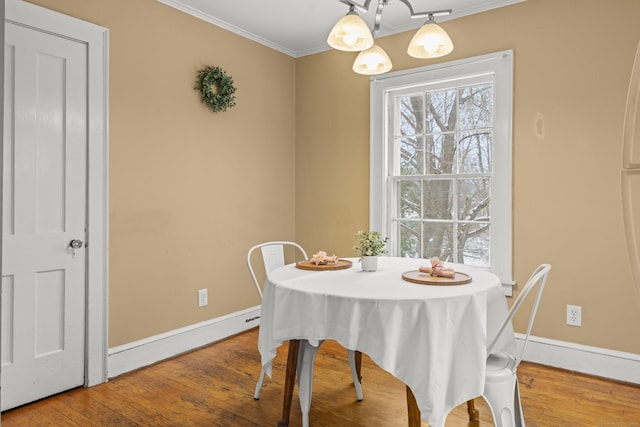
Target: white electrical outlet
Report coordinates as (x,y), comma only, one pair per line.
(574,315)
(203,298)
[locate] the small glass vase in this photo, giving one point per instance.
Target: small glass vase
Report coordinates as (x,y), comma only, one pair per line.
(369,263)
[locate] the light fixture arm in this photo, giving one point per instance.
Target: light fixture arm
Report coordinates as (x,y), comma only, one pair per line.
(378,18)
(382,3)
(414,14)
(361,8)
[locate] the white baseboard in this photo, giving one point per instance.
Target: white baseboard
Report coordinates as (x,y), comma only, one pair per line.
(601,362)
(127,357)
(597,361)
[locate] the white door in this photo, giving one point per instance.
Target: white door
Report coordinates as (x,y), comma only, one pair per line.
(44,210)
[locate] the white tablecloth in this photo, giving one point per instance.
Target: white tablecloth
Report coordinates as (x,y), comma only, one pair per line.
(433,338)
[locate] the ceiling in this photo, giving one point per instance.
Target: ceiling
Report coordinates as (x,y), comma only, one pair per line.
(300,27)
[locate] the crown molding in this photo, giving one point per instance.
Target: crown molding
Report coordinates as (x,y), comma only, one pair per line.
(176,4)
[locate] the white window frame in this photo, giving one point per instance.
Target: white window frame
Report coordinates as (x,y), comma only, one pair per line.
(499,66)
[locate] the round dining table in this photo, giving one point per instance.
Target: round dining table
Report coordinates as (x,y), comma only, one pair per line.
(432,337)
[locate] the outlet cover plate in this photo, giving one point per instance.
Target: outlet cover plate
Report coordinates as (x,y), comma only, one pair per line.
(203,298)
(574,315)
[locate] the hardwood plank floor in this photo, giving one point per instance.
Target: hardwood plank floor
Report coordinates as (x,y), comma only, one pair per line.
(213,386)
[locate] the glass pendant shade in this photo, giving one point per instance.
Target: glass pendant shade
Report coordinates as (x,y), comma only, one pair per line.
(350,34)
(372,61)
(431,41)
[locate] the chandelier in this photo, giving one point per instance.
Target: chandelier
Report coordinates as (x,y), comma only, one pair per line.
(352,34)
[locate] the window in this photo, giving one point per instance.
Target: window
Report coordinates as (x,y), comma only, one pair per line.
(441,161)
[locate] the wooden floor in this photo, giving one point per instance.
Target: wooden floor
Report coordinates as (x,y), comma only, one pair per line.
(213,386)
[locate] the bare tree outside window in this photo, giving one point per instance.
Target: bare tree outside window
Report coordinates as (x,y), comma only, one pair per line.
(442,171)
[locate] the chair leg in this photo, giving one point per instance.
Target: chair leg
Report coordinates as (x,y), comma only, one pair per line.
(474,415)
(501,397)
(355,360)
(519,415)
(256,394)
(305,378)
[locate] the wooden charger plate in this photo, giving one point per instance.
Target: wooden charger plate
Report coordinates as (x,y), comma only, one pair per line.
(415,276)
(341,264)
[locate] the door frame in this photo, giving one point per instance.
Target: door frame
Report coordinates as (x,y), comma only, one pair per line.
(96,39)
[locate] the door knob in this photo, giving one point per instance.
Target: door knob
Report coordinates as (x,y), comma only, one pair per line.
(75,244)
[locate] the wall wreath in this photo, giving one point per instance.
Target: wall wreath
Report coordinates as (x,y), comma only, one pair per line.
(216,88)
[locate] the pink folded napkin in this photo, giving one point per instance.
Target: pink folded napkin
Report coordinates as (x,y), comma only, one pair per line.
(437,268)
(321,257)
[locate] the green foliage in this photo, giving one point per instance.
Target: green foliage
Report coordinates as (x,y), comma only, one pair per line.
(216,88)
(370,243)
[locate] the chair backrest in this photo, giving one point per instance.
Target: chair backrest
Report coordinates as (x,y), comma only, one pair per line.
(272,257)
(538,278)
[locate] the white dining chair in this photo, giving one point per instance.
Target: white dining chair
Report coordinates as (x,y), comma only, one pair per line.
(273,257)
(501,389)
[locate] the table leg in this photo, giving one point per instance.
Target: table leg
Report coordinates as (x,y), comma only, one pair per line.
(289,381)
(474,415)
(412,409)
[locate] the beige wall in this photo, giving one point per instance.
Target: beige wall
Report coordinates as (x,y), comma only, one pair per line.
(190,190)
(182,217)
(572,61)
